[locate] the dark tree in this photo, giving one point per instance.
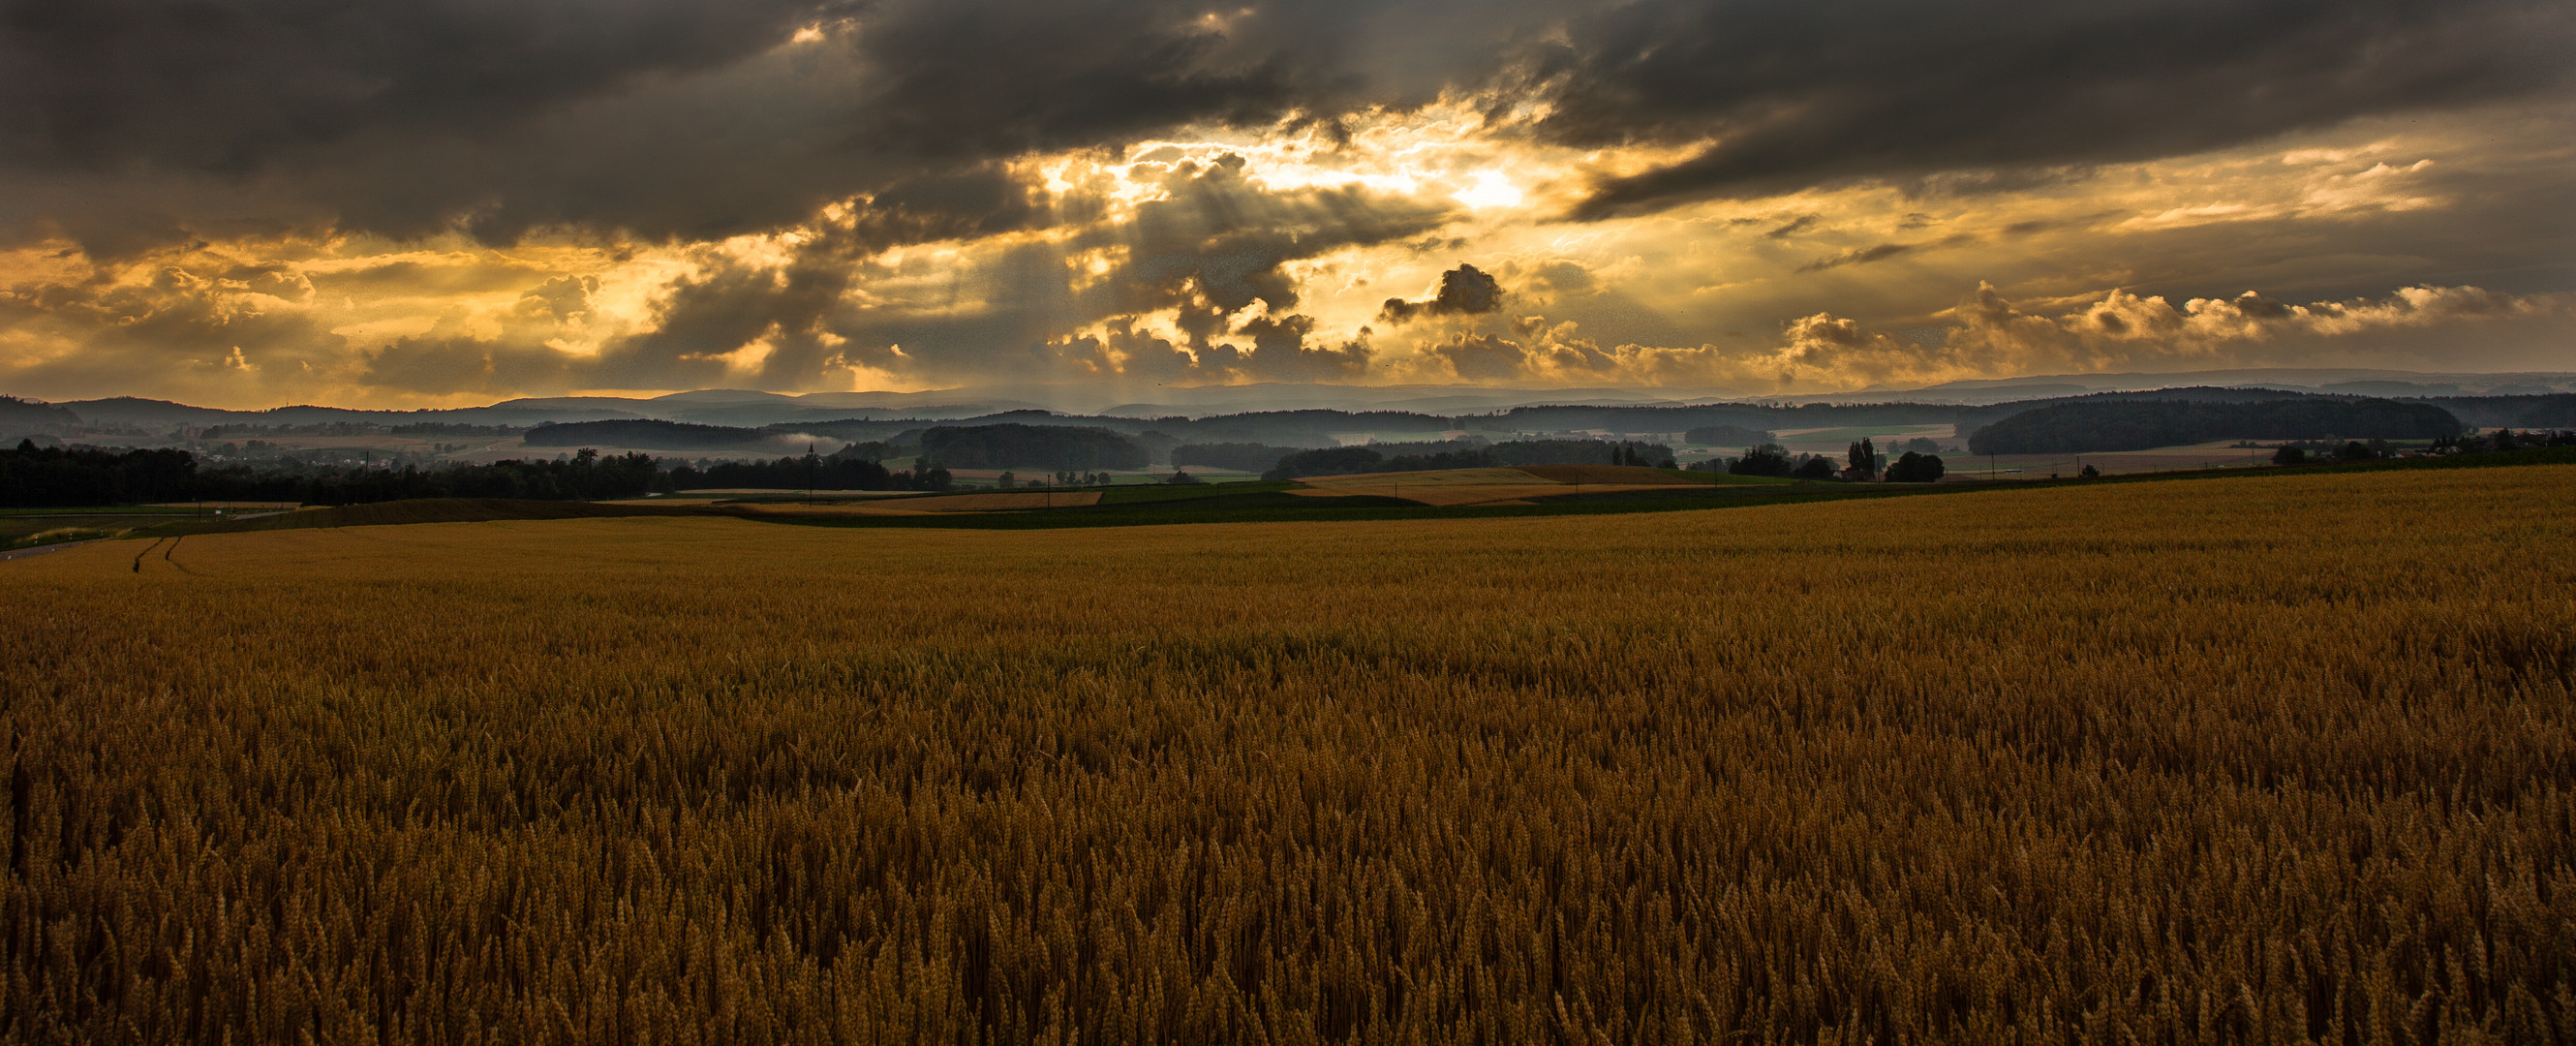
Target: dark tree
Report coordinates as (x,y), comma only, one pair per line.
(1768,459)
(1863,459)
(1330,461)
(1912,467)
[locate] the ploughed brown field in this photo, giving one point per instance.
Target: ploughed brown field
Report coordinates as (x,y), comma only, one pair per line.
(2277,759)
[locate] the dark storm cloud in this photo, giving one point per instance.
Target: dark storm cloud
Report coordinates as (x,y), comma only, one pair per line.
(133,123)
(1464,291)
(1791,95)
(225,84)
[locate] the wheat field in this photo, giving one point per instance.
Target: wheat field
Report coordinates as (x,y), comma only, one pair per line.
(2269,760)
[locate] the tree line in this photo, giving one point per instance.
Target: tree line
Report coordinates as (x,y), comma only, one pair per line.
(1052,447)
(644,434)
(1863,460)
(2095,426)
(1463,454)
(32,476)
(810,472)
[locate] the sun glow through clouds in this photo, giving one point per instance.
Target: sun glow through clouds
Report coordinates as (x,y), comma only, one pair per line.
(1491,190)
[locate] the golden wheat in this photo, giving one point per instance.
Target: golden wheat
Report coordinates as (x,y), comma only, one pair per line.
(2262,760)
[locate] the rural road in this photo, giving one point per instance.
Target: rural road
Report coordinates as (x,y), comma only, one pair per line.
(42,549)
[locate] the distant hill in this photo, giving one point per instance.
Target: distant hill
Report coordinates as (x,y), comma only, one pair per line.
(2126,422)
(23,417)
(1433,457)
(645,434)
(133,412)
(1011,445)
(1354,413)
(2550,411)
(1310,428)
(1971,419)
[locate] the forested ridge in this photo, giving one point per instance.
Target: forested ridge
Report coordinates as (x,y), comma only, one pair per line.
(2109,425)
(1432,457)
(32,476)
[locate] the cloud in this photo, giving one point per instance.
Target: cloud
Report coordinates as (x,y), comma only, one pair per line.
(1988,337)
(1775,97)
(1208,258)
(130,124)
(173,331)
(1464,291)
(103,84)
(1280,353)
(454,274)
(1858,256)
(460,364)
(1125,356)
(2122,331)
(260,199)
(1563,277)
(1793,226)
(1881,252)
(2126,330)
(564,297)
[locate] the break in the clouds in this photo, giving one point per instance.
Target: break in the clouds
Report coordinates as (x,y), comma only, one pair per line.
(267,200)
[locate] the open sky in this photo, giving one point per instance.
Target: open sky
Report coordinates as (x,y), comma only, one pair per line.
(245,203)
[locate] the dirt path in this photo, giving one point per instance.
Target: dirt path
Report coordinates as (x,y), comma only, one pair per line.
(39,550)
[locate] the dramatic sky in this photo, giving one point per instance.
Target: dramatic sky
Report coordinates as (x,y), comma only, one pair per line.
(441,202)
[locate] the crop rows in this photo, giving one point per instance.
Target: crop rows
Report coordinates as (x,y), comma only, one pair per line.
(2280,761)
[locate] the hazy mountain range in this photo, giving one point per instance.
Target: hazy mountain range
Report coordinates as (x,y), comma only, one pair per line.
(751,408)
